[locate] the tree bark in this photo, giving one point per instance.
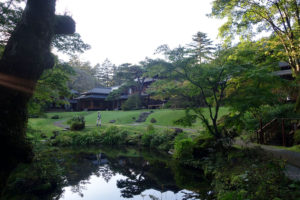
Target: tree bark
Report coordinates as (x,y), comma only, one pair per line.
(27,54)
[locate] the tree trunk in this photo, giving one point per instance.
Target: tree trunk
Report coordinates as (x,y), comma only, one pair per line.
(26,56)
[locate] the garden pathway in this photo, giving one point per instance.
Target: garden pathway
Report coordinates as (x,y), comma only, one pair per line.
(292,158)
(61,125)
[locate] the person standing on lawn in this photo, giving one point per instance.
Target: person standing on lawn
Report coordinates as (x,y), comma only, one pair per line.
(99,119)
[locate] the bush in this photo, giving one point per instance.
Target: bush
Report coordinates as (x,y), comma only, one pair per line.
(147,138)
(150,128)
(153,120)
(134,102)
(184,149)
(77,123)
(113,136)
(55,117)
(36,180)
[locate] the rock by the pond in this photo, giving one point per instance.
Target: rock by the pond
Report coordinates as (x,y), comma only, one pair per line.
(143,116)
(112,121)
(177,130)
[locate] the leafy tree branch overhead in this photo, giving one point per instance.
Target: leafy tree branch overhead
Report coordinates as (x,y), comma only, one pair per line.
(11,13)
(247,18)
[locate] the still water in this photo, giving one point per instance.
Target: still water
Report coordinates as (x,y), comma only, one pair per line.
(113,174)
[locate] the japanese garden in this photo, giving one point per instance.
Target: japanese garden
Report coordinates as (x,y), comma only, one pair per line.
(214,119)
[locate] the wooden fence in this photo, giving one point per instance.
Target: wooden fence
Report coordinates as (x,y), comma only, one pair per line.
(279,131)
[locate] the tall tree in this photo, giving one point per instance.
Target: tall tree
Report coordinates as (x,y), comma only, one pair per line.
(203,83)
(105,72)
(26,55)
(202,47)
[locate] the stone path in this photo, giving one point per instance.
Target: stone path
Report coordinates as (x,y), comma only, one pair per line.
(292,158)
(59,124)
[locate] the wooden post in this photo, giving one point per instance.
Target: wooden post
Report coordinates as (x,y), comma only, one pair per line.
(261,132)
(283,134)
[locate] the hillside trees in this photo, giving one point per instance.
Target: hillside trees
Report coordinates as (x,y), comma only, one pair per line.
(84,77)
(132,75)
(26,56)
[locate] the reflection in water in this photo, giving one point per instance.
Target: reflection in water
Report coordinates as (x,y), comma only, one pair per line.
(109,175)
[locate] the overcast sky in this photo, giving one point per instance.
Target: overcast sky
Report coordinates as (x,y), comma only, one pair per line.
(130,30)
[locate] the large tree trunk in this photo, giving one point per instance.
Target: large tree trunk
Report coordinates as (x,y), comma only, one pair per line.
(26,56)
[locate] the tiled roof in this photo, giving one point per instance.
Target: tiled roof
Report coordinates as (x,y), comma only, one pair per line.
(284,72)
(283,64)
(91,96)
(98,91)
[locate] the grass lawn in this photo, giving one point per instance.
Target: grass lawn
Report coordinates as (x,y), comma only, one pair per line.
(166,117)
(126,119)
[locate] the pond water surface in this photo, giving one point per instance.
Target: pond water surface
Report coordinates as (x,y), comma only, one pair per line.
(113,174)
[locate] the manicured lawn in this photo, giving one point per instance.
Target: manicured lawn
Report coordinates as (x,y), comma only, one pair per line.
(121,117)
(43,124)
(164,117)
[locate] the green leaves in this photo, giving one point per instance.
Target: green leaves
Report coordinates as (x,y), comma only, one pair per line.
(51,88)
(247,18)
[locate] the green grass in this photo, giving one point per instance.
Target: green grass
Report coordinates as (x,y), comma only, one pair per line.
(121,117)
(43,124)
(125,119)
(166,117)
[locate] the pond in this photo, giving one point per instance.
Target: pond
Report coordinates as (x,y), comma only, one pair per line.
(105,173)
(113,174)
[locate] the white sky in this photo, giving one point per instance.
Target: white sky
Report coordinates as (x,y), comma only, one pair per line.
(130,30)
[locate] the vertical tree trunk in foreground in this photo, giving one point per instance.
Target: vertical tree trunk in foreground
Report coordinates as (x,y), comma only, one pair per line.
(26,56)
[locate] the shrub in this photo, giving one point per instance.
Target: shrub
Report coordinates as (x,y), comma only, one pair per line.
(55,117)
(134,102)
(113,135)
(77,123)
(184,149)
(62,140)
(147,138)
(150,128)
(153,120)
(36,180)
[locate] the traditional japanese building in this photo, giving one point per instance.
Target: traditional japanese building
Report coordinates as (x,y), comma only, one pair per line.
(285,71)
(94,99)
